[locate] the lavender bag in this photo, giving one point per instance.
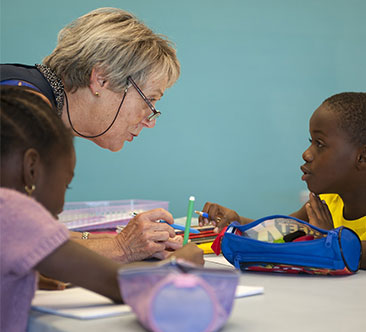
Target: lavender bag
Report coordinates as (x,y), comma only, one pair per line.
(177,296)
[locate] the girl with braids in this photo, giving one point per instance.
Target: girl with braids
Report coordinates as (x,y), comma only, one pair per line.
(103,78)
(37,164)
(334,170)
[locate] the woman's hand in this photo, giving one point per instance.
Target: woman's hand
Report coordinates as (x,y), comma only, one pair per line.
(191,253)
(318,212)
(218,216)
(144,237)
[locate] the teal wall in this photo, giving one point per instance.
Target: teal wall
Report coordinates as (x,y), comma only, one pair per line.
(236,123)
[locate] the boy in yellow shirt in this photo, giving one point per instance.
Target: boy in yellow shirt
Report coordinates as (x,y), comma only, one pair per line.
(334,170)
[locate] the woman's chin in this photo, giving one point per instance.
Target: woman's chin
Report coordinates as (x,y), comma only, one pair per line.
(106,144)
(116,148)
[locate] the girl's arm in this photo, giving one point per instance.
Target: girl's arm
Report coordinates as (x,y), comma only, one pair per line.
(71,262)
(74,263)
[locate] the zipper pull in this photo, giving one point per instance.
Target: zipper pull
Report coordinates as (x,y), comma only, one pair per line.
(329,238)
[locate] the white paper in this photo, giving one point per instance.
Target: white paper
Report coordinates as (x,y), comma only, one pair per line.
(218,260)
(77,303)
(244,291)
(83,304)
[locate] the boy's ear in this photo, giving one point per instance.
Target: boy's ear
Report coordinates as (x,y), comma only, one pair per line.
(361,158)
(31,167)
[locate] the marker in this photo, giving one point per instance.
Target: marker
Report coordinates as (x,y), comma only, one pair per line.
(202,214)
(175,226)
(189,218)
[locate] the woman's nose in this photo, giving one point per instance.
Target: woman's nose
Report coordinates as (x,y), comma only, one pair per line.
(148,124)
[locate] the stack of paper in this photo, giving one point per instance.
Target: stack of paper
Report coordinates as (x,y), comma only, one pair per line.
(77,303)
(83,304)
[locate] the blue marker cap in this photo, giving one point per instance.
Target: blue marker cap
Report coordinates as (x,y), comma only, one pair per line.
(202,214)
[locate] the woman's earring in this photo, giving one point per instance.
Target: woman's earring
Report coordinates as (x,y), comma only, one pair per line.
(96,94)
(30,190)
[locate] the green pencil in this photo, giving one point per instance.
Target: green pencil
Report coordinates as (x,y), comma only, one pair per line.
(189,218)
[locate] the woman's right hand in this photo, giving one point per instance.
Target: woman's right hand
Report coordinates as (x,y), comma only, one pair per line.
(144,236)
(191,253)
(218,216)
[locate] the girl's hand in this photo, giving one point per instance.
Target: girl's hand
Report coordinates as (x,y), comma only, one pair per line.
(318,212)
(191,253)
(172,244)
(46,283)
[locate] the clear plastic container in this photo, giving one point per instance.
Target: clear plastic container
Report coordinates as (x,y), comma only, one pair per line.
(96,215)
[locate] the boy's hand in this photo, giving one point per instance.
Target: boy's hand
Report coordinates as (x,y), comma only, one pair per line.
(318,212)
(218,216)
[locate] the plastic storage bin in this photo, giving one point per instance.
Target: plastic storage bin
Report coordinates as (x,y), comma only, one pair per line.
(83,216)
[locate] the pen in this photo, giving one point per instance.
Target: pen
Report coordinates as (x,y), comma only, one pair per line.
(189,218)
(181,227)
(175,226)
(202,214)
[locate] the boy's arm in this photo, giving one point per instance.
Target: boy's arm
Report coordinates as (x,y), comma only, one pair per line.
(321,217)
(315,212)
(363,259)
(301,214)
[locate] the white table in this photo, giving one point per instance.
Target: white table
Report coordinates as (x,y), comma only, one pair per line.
(289,303)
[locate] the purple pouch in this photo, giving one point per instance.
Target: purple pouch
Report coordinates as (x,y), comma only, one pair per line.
(177,296)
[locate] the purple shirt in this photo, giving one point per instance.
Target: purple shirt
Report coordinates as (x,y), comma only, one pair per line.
(28,234)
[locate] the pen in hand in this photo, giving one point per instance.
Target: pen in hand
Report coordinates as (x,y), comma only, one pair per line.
(181,227)
(202,214)
(205,215)
(188,220)
(175,226)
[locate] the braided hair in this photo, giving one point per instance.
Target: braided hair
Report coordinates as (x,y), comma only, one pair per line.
(27,121)
(351,108)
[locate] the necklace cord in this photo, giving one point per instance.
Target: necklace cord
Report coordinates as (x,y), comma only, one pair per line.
(102,133)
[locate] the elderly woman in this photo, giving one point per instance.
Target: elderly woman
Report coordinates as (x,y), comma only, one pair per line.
(103,79)
(30,237)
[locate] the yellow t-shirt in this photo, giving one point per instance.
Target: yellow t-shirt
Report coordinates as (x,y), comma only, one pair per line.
(335,205)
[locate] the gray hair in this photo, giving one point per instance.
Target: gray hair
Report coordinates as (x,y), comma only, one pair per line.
(115,42)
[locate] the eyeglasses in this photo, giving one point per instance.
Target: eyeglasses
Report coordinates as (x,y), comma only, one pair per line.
(155,113)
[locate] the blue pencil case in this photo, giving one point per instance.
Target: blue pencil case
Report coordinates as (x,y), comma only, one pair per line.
(285,244)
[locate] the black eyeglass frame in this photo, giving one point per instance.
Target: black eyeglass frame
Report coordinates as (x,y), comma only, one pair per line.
(155,113)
